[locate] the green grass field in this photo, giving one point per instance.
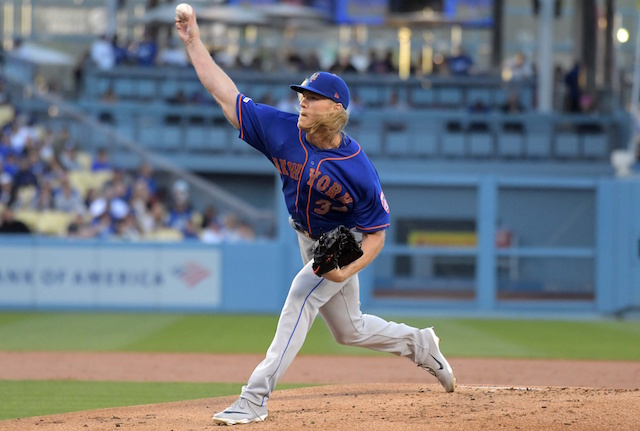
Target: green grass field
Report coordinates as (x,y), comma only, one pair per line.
(147,332)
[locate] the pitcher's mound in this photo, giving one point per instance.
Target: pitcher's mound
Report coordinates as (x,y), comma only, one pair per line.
(372,407)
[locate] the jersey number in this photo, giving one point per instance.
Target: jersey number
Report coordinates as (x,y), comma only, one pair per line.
(323,206)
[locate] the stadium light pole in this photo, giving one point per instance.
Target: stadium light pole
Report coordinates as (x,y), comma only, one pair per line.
(635,88)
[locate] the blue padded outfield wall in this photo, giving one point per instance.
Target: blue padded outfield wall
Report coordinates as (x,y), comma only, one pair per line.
(577,249)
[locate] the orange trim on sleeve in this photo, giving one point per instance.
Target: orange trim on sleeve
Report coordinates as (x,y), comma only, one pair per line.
(373,228)
(240,97)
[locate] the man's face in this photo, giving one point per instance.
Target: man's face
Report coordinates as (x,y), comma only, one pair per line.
(312,108)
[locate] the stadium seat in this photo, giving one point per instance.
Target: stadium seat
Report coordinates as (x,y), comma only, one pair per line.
(567,145)
(29,217)
(166,234)
(171,137)
(424,143)
(421,97)
(481,144)
(538,145)
(196,138)
(25,196)
(53,222)
(510,145)
(451,97)
(595,146)
(397,142)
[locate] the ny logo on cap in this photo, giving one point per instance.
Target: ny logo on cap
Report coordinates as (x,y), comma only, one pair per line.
(313,77)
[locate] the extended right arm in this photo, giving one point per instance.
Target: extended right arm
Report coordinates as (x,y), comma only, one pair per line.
(212,77)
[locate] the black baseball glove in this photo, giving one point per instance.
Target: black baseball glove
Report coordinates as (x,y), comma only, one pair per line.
(335,249)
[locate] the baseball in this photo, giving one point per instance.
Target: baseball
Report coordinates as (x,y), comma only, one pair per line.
(183,11)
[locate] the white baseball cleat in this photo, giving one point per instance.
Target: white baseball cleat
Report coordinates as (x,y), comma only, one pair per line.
(242,411)
(435,363)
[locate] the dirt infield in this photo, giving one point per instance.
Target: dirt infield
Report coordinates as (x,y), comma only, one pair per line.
(365,393)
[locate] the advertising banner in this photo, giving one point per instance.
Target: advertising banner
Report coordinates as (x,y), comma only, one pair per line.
(86,276)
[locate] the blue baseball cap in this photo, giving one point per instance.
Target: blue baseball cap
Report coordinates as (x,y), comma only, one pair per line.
(327,85)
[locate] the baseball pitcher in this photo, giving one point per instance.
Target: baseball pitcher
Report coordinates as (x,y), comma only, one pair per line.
(339,213)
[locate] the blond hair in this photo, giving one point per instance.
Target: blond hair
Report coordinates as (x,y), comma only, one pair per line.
(332,122)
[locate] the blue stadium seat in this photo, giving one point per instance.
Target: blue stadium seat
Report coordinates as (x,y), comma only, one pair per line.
(171,137)
(397,143)
(196,138)
(124,88)
(510,144)
(538,145)
(453,144)
(450,96)
(421,97)
(481,144)
(484,95)
(424,144)
(595,146)
(146,89)
(567,145)
(150,137)
(370,141)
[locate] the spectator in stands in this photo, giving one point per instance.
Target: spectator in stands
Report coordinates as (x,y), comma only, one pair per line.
(479,107)
(212,233)
(77,227)
(157,218)
(109,96)
(117,193)
(102,53)
(69,158)
(6,189)
(395,103)
(10,164)
(101,162)
(512,105)
(381,63)
(210,215)
(574,89)
(22,134)
(294,62)
(25,176)
(140,204)
(178,99)
(517,68)
(180,211)
(127,229)
(102,225)
(9,225)
(5,145)
(173,55)
(38,166)
(460,63)
(145,173)
(44,200)
(343,65)
(50,167)
(231,228)
(190,230)
(120,53)
(146,51)
(66,198)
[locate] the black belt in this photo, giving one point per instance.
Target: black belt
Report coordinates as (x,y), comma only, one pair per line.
(297,226)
